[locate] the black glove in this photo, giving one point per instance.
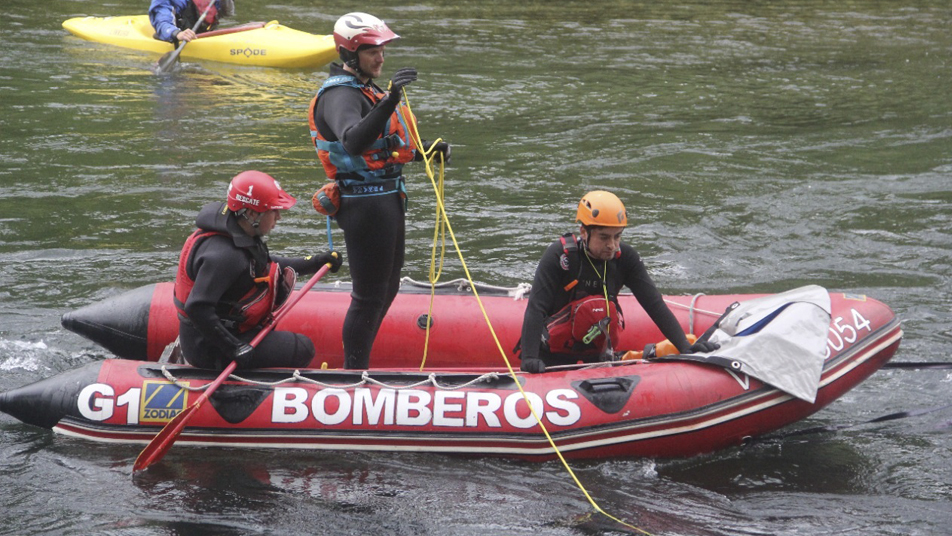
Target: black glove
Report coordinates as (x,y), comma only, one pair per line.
(401,78)
(243,355)
(440,147)
(704,347)
(533,365)
(335,258)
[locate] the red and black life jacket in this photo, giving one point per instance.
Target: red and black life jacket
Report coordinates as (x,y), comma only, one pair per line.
(578,327)
(251,310)
(573,329)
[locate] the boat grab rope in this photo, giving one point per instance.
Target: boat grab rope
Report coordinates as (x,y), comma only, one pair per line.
(445,222)
(517,292)
(365,379)
(692,308)
(521,291)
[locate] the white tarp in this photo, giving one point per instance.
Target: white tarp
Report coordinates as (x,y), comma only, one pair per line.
(778,339)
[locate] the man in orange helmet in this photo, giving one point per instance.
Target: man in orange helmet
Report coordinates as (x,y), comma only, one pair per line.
(573,312)
(228,284)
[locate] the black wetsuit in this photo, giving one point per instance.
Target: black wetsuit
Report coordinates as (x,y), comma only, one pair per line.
(374,226)
(548,296)
(220,265)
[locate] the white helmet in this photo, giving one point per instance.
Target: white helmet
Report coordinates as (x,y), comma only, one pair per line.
(356,29)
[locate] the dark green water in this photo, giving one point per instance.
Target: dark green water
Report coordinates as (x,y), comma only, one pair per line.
(759,146)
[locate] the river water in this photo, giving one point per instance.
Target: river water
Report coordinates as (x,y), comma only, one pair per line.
(759,146)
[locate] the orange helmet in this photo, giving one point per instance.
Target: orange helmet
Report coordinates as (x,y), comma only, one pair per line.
(602,209)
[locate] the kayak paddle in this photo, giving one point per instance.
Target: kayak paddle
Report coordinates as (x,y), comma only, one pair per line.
(162,442)
(169,58)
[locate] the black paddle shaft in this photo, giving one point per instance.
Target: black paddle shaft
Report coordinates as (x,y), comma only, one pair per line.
(169,59)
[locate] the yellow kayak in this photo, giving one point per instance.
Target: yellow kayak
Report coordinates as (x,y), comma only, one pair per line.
(261,44)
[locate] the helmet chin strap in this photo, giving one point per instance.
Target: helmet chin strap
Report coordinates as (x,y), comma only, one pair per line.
(352,60)
(588,252)
(583,236)
(244,213)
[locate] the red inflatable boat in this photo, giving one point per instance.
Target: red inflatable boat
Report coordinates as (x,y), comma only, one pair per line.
(464,400)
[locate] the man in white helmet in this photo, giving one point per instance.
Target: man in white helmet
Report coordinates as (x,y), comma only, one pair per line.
(363,136)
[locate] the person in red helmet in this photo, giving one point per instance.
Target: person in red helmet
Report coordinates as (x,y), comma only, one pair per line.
(228,284)
(363,136)
(573,312)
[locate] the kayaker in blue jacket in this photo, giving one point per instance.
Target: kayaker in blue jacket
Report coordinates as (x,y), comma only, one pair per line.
(173,19)
(576,288)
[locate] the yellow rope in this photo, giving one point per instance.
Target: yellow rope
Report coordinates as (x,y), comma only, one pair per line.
(441,213)
(439,236)
(604,276)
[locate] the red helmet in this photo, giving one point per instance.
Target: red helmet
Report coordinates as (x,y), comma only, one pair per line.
(356,29)
(257,191)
